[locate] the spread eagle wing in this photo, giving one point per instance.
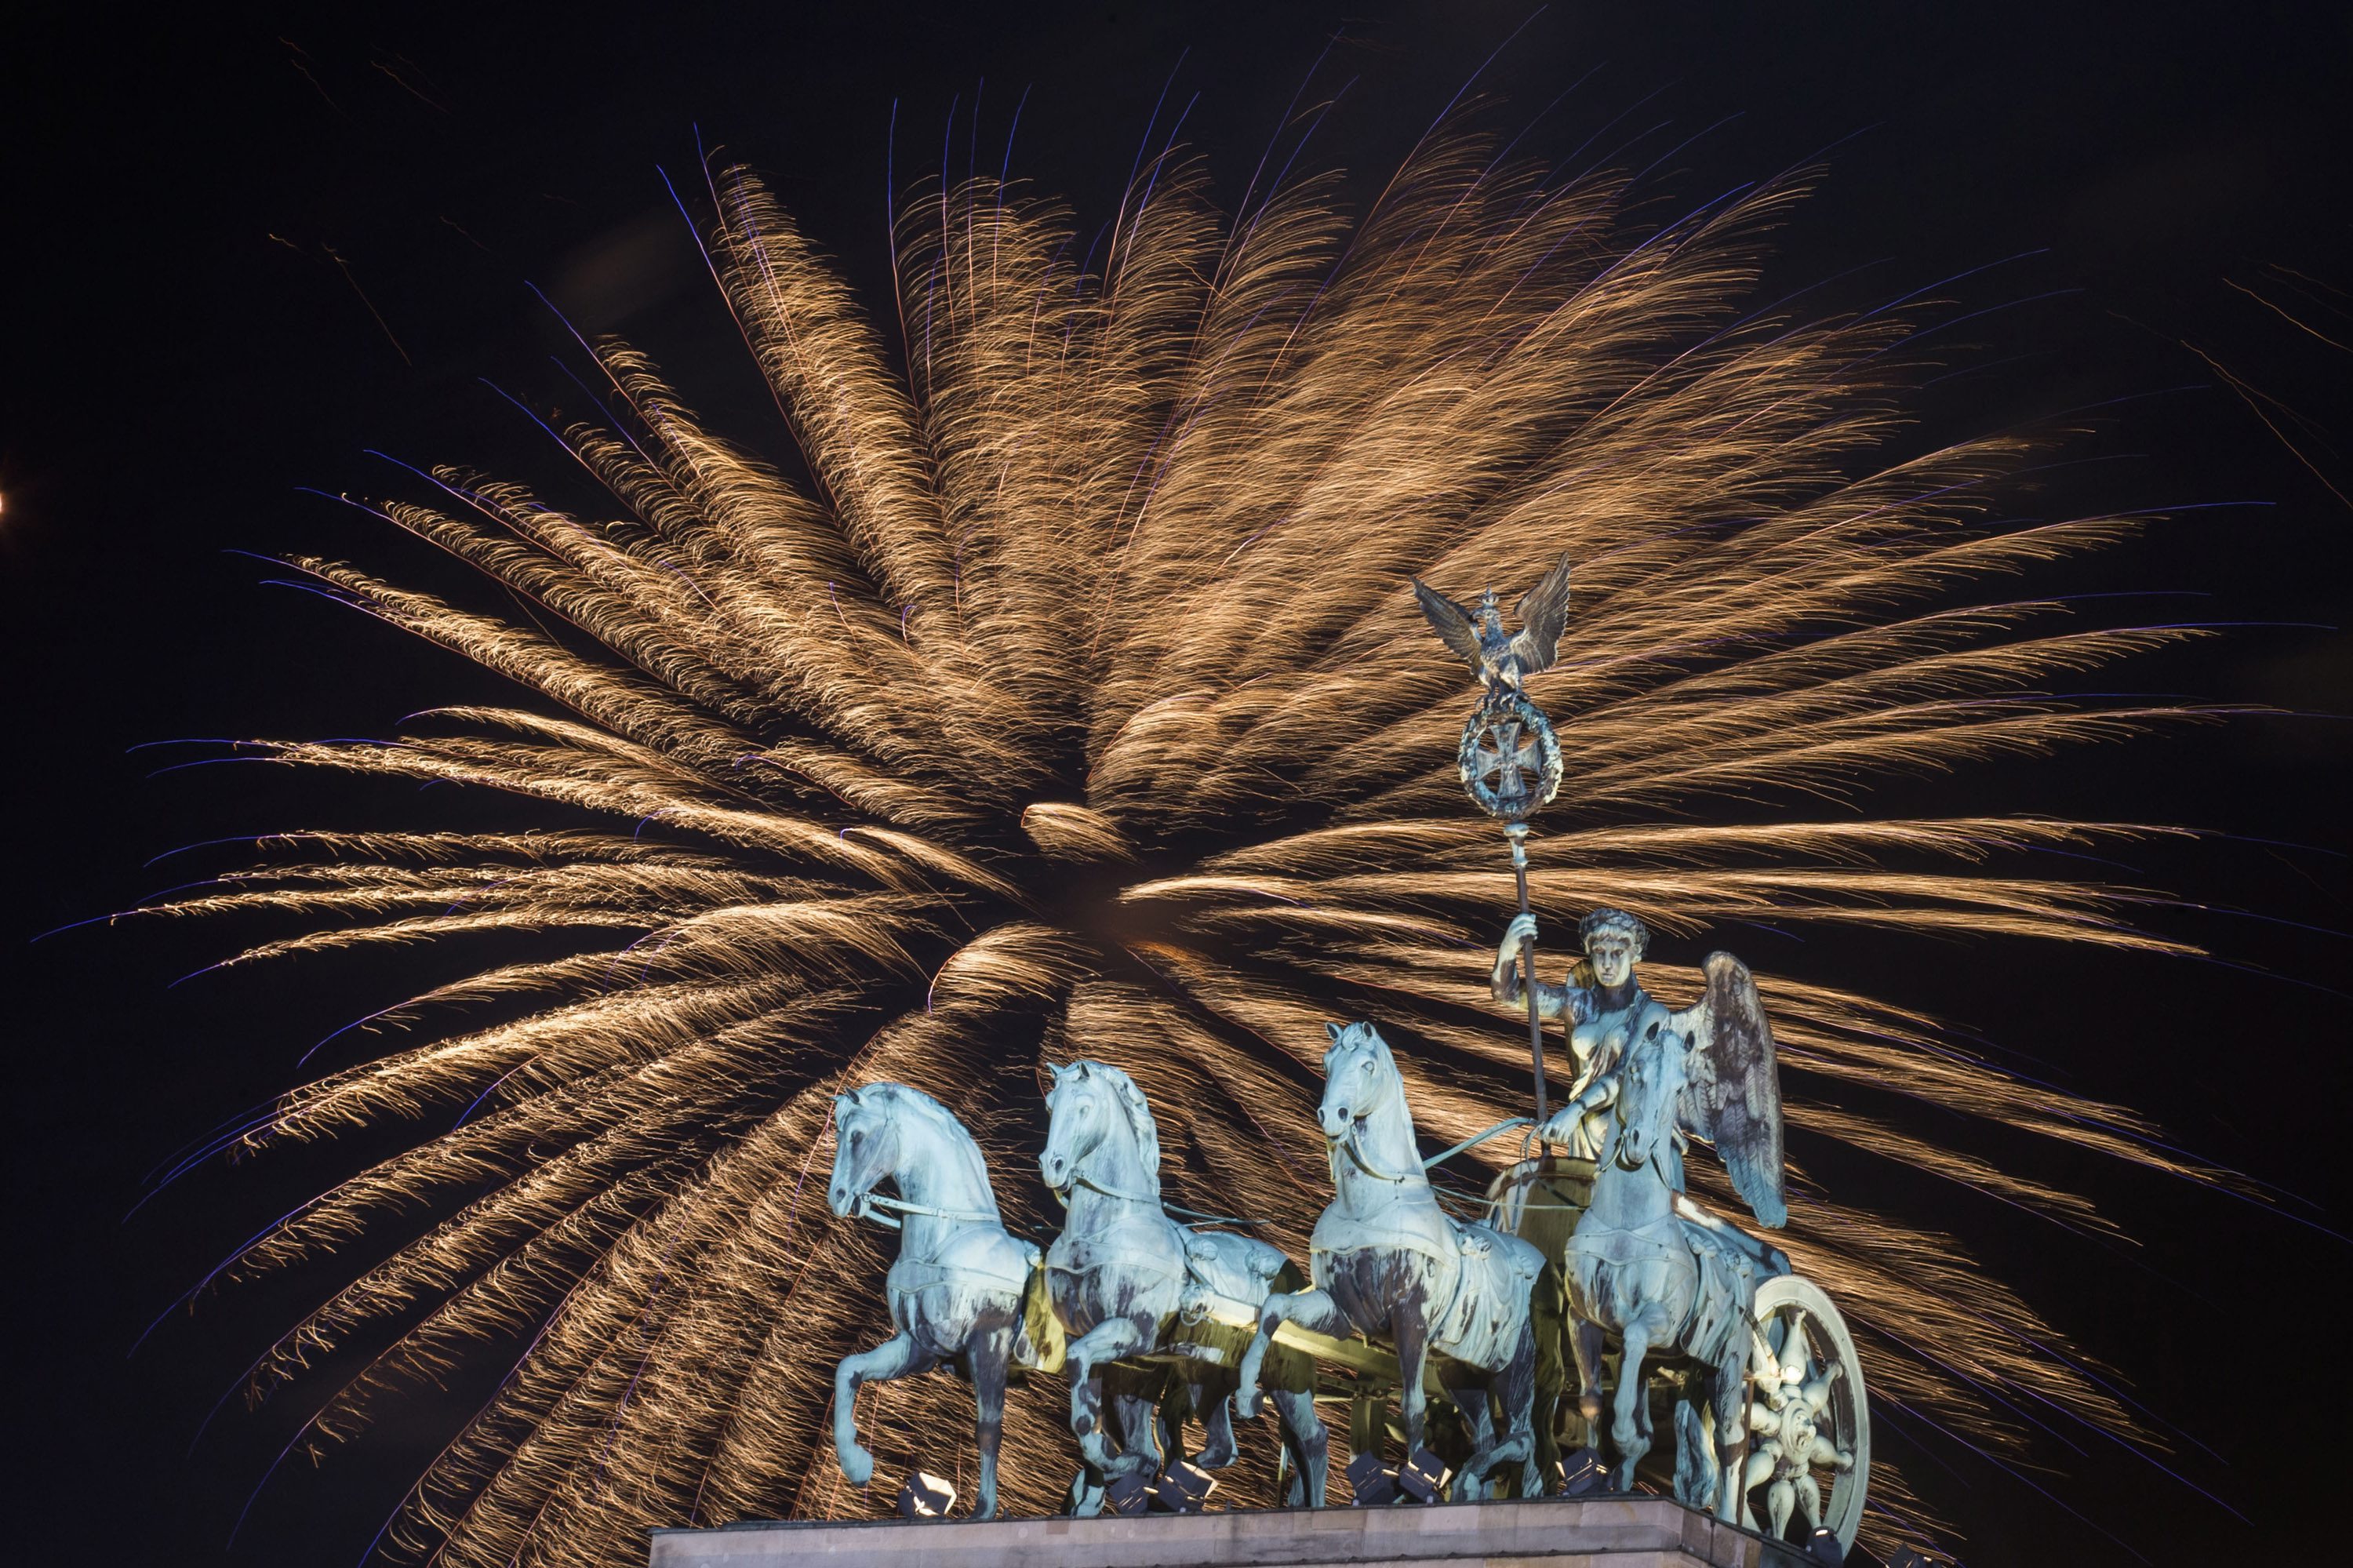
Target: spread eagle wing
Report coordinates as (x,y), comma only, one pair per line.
(1454,625)
(1734,1096)
(1543,611)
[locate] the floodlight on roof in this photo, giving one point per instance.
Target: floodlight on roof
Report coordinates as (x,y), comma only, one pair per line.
(1374,1483)
(925,1496)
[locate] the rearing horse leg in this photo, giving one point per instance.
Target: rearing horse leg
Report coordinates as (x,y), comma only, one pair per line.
(1513,1388)
(1106,1341)
(1217,1413)
(1469,1397)
(1631,1426)
(987,1351)
(1310,1445)
(1177,1402)
(1312,1309)
(1083,1498)
(1135,1425)
(1547,1312)
(1516,1393)
(1410,1331)
(1730,1397)
(894,1357)
(1586,1343)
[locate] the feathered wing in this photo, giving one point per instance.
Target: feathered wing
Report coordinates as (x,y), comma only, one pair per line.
(1734,1096)
(1453,624)
(1543,611)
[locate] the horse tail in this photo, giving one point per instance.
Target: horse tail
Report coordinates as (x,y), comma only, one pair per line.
(1039,1341)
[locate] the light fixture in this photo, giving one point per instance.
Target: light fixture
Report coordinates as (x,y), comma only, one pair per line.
(1582,1472)
(1128,1493)
(1374,1483)
(1183,1487)
(925,1496)
(1824,1547)
(1422,1476)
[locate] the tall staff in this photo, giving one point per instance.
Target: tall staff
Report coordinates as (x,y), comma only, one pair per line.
(1509,757)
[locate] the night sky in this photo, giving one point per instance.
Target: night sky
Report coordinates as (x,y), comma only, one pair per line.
(243,252)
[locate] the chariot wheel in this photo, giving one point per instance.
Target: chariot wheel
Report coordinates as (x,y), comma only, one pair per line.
(1808,1462)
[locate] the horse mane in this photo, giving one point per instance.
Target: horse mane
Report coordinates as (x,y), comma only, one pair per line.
(1363,1032)
(1380,1042)
(944,1120)
(1139,1111)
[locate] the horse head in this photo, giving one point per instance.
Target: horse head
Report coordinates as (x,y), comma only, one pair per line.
(1360,1078)
(866,1145)
(1093,1110)
(1650,1079)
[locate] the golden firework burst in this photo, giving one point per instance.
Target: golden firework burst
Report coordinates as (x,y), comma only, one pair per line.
(1062,696)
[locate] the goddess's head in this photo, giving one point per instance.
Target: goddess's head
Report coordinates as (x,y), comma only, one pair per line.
(1614,943)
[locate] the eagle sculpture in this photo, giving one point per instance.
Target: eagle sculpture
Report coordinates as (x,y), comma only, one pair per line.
(1478,636)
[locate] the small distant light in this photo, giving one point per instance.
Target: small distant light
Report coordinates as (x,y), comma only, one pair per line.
(1374,1483)
(925,1496)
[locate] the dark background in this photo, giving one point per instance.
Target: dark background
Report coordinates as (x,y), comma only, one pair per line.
(245,249)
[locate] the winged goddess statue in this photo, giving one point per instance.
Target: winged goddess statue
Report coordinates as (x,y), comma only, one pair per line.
(1478,637)
(1732,1092)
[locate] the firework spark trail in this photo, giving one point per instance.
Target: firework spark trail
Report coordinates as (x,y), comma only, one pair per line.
(1074,707)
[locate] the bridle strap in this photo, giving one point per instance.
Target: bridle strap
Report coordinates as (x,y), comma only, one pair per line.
(1347,1144)
(1081,1179)
(869,1202)
(1651,1165)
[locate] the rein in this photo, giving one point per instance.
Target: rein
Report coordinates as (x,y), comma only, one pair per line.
(870,1201)
(1080,1179)
(1356,1155)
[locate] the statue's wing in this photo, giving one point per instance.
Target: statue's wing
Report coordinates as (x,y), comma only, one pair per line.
(1453,624)
(1734,1096)
(1543,611)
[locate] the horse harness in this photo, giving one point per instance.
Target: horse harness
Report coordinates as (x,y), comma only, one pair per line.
(927,1273)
